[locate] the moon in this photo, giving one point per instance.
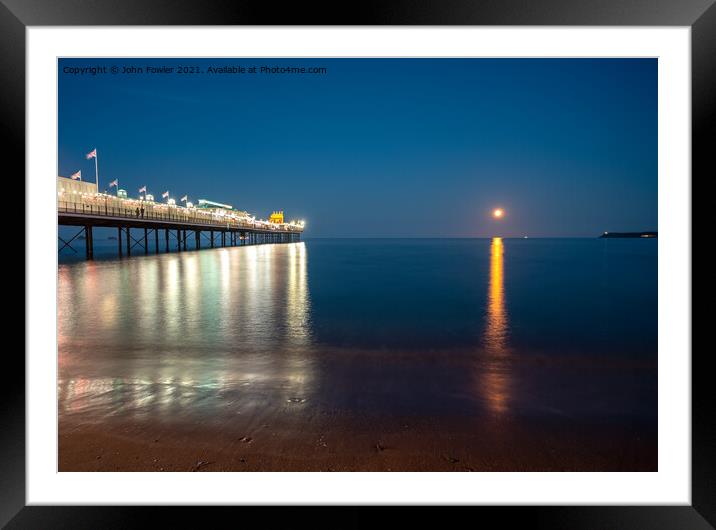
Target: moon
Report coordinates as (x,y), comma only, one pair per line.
(498,213)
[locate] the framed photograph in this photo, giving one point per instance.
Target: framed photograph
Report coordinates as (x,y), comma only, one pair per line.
(434,255)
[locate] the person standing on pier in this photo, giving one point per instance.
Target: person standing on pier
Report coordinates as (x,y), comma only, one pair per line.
(137,212)
(142,211)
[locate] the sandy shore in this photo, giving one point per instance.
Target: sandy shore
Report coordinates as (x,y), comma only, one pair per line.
(328,444)
(361,412)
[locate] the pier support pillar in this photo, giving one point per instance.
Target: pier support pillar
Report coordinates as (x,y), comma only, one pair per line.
(119,240)
(183,238)
(166,239)
(197,238)
(156,241)
(211,233)
(178,239)
(129,242)
(146,241)
(88,241)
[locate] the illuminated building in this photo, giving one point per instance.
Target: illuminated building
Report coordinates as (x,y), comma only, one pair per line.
(71,190)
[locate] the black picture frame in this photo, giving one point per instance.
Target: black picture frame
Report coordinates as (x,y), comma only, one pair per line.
(699,15)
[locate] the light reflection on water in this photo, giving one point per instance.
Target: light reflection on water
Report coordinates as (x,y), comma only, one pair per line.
(495,379)
(182,332)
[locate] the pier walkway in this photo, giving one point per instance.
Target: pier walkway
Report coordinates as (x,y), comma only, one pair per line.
(146,227)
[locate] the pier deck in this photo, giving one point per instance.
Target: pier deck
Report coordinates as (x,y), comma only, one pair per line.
(163,228)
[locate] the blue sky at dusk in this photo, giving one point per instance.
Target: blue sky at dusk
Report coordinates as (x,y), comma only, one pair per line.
(382,147)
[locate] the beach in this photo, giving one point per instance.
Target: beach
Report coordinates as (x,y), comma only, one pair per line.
(361,356)
(330,445)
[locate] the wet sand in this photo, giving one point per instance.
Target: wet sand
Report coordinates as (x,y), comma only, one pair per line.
(332,446)
(406,412)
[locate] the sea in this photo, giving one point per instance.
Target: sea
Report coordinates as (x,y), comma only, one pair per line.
(385,327)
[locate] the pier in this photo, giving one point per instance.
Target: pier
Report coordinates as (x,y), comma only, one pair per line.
(147,227)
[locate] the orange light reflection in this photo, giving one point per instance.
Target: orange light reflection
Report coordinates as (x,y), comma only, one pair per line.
(495,380)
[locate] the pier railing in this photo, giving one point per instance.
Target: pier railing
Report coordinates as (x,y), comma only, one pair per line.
(107,206)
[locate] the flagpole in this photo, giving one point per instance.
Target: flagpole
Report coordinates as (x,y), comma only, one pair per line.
(96,169)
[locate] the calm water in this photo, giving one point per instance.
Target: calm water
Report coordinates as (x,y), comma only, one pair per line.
(522,328)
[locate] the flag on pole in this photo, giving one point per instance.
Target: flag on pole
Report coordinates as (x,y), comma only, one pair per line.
(115,182)
(77,176)
(93,154)
(143,189)
(184,198)
(165,195)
